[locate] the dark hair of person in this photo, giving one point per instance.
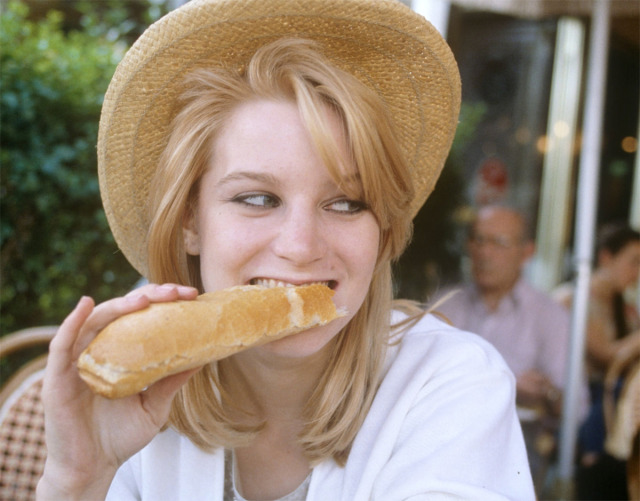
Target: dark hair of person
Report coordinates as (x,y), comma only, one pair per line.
(614,237)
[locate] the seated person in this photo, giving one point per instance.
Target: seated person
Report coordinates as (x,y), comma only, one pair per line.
(528,328)
(613,327)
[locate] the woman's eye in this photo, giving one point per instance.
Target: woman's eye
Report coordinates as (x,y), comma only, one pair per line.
(347,206)
(257,200)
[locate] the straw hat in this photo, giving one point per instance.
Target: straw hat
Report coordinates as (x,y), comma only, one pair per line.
(382,42)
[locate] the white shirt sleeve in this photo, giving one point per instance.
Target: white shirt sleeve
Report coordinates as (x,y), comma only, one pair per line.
(461,438)
(443,426)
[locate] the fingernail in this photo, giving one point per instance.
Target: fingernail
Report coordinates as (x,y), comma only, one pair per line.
(83,299)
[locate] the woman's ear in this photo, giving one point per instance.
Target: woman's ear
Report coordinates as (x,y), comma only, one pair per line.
(190,234)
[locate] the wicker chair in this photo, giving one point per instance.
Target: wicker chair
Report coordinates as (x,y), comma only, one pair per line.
(22,445)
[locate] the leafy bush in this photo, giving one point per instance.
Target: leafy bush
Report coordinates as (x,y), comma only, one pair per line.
(55,242)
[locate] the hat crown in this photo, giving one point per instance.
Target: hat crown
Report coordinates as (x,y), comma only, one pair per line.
(383,43)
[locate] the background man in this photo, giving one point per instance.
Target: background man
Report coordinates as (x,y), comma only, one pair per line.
(529,329)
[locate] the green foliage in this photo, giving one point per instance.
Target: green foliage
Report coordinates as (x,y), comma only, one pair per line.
(55,243)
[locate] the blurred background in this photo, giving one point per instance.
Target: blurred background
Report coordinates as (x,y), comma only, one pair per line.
(524,70)
(524,67)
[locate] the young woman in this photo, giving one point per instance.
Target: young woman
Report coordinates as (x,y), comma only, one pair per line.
(284,142)
(613,328)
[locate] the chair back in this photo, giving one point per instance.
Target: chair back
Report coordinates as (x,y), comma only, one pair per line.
(22,445)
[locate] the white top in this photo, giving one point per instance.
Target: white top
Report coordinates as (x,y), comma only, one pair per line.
(443,425)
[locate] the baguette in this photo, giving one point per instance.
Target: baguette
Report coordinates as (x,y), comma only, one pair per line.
(141,348)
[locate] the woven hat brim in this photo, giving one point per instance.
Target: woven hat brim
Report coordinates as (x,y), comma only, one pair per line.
(382,42)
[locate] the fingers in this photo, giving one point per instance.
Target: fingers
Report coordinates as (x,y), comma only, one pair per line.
(532,385)
(61,346)
(102,315)
(534,378)
(157,399)
(136,300)
(87,319)
(164,292)
(60,376)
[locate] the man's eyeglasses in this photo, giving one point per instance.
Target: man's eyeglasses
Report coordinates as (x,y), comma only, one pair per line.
(496,241)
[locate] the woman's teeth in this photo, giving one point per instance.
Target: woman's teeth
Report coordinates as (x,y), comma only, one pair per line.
(270,283)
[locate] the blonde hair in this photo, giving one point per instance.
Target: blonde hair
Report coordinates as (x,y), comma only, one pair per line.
(294,70)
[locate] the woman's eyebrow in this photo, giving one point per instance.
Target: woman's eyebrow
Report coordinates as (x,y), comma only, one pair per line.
(350,181)
(248,175)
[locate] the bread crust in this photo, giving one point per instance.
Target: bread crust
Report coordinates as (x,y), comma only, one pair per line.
(141,348)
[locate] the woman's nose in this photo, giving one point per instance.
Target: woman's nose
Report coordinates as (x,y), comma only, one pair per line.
(301,237)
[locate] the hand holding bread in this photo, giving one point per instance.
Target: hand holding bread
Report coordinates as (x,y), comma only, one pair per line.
(166,338)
